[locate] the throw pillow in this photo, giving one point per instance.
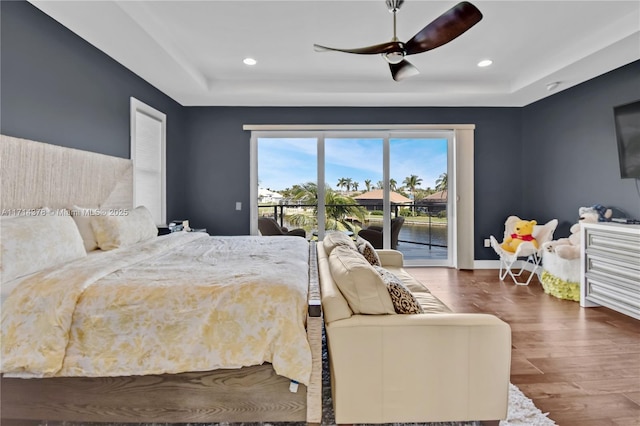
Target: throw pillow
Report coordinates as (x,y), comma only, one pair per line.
(359,283)
(32,243)
(404,302)
(333,239)
(366,249)
(112,232)
(82,217)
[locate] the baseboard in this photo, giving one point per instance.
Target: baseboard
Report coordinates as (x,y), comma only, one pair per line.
(486,264)
(495,264)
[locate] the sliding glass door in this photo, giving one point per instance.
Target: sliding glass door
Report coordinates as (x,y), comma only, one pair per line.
(287,176)
(419,170)
(349,181)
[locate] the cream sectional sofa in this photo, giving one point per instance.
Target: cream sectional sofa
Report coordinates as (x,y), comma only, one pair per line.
(387,367)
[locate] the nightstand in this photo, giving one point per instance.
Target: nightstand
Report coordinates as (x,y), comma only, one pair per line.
(198,230)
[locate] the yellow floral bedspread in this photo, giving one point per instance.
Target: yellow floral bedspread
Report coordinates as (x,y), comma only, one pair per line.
(183,302)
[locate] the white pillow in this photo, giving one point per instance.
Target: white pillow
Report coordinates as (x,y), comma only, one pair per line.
(32,243)
(333,239)
(113,231)
(82,217)
(359,283)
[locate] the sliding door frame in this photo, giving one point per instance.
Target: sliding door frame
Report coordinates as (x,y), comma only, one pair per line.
(460,167)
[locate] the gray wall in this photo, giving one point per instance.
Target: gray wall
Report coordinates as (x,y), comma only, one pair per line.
(59,89)
(218,172)
(542,161)
(570,155)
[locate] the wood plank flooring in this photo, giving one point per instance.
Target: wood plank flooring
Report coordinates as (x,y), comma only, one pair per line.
(581,365)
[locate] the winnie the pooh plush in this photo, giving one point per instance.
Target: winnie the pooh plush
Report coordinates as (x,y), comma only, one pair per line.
(522,231)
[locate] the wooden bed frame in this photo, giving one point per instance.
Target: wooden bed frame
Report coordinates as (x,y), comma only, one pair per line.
(34,175)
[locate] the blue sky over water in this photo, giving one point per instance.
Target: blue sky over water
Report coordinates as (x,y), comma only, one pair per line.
(284,162)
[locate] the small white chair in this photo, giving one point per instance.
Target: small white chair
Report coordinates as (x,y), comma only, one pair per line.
(526,251)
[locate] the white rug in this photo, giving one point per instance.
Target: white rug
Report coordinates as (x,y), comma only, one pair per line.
(522,411)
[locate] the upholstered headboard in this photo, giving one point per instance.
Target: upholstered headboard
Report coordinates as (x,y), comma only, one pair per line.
(35,175)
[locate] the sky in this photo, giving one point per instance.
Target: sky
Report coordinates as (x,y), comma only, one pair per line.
(284,162)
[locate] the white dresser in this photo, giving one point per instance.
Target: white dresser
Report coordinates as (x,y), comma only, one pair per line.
(610,272)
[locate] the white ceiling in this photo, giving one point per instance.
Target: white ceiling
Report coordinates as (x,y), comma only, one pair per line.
(193,50)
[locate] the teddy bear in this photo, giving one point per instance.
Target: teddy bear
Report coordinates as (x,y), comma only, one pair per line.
(523,231)
(604,214)
(569,248)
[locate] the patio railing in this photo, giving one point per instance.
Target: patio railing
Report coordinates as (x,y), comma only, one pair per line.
(278,212)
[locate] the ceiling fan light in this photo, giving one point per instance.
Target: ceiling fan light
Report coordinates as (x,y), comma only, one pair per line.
(485,63)
(393,57)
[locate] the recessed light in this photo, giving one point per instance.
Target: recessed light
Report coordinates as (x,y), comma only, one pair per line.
(553,85)
(249,61)
(485,63)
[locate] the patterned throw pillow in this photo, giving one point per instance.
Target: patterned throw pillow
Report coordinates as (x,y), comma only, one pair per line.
(403,301)
(366,249)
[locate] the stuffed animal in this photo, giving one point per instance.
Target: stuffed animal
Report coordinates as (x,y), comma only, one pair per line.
(604,214)
(523,231)
(569,248)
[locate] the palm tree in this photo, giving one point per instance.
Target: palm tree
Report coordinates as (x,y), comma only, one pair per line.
(342,182)
(348,183)
(410,183)
(337,208)
(355,186)
(441,182)
(393,185)
(367,184)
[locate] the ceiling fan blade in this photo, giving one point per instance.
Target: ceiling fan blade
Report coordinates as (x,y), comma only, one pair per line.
(445,28)
(390,46)
(403,70)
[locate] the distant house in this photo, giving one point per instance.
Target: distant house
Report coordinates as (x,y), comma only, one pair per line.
(269,197)
(372,200)
(434,203)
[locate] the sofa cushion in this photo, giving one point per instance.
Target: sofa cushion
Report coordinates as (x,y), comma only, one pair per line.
(334,239)
(404,302)
(334,305)
(430,303)
(366,249)
(359,283)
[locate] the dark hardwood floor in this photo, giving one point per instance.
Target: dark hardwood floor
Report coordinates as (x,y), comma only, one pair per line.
(581,365)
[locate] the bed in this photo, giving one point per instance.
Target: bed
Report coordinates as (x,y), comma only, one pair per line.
(178,328)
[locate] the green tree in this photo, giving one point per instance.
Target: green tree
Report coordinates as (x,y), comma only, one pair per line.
(441,182)
(342,182)
(393,185)
(337,207)
(411,182)
(348,183)
(355,186)
(367,184)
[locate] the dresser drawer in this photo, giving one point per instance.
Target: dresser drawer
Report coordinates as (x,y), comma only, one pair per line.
(613,242)
(610,276)
(623,268)
(622,298)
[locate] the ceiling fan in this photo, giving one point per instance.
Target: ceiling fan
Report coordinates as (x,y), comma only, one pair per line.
(451,24)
